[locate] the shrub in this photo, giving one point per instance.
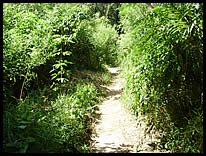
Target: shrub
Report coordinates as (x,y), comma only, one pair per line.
(162,50)
(43,124)
(43,44)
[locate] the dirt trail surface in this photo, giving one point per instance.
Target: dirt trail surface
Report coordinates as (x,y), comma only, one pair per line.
(116,130)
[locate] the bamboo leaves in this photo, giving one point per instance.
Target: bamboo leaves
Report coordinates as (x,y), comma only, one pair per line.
(164,48)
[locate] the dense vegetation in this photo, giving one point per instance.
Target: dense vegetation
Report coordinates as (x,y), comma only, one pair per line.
(161,52)
(49,93)
(54,58)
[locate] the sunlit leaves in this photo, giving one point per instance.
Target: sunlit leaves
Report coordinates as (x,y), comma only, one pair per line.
(157,51)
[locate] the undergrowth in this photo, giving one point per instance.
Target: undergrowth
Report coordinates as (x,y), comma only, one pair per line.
(48,102)
(49,121)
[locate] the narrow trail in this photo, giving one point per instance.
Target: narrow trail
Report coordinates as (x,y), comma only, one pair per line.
(116,130)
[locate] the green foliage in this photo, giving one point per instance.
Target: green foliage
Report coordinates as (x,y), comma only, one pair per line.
(106,77)
(22,51)
(48,123)
(161,53)
(96,44)
(58,29)
(104,39)
(108,10)
(59,70)
(43,44)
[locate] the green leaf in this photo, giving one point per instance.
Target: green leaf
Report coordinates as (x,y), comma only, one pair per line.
(67,53)
(65,61)
(158,9)
(60,79)
(24,122)
(53,77)
(5,67)
(55,88)
(51,70)
(22,126)
(54,74)
(69,40)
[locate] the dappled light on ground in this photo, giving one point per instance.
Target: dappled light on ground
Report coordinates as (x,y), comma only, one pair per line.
(116,129)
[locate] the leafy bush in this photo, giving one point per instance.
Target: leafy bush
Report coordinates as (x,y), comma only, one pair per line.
(43,45)
(66,36)
(23,53)
(162,50)
(104,39)
(96,44)
(59,125)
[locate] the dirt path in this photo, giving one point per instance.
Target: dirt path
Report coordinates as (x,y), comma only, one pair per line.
(116,129)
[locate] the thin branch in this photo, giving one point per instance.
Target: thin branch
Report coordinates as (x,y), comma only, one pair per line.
(22,87)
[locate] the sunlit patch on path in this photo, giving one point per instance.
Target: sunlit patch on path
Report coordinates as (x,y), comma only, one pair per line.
(113,126)
(116,129)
